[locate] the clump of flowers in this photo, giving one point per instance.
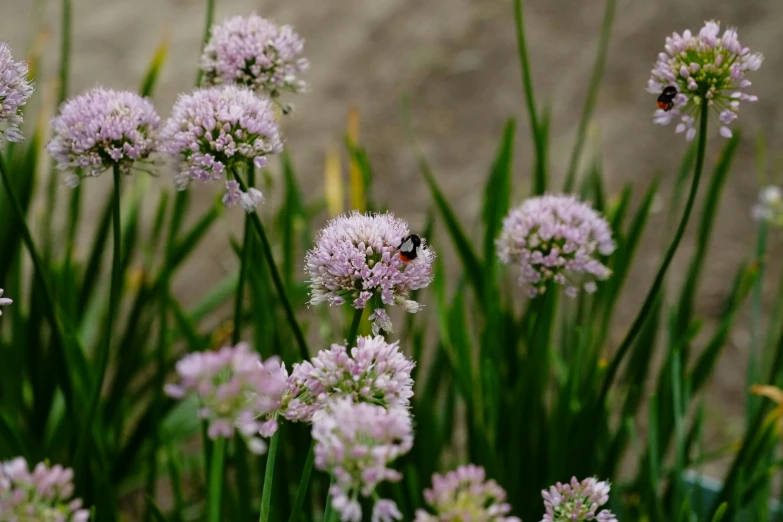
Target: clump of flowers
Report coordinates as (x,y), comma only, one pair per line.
(356,442)
(704,68)
(356,258)
(770,206)
(236,390)
(577,501)
(375,372)
(214,130)
(15,89)
(255,52)
(556,238)
(103,128)
(465,494)
(41,494)
(4,301)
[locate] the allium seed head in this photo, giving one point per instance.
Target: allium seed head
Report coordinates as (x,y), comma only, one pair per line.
(15,89)
(577,501)
(356,442)
(465,494)
(556,238)
(769,207)
(236,390)
(42,494)
(704,68)
(212,131)
(375,372)
(356,259)
(102,128)
(254,52)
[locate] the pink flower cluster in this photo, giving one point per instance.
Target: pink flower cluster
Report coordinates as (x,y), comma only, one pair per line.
(375,372)
(15,89)
(102,128)
(356,442)
(236,390)
(465,494)
(577,501)
(704,68)
(556,238)
(212,131)
(355,259)
(252,51)
(41,494)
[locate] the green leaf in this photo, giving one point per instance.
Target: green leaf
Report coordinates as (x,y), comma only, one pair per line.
(497,197)
(151,77)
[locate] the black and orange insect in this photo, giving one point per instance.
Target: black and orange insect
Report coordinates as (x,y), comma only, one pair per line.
(666,99)
(409,248)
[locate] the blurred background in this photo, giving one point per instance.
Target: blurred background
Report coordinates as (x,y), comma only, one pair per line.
(457,61)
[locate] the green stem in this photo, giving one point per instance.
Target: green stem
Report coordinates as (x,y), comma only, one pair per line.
(49,306)
(102,362)
(328,512)
(269,473)
(649,301)
(539,186)
(277,280)
(592,95)
(304,483)
(243,265)
(353,332)
(216,480)
(207,29)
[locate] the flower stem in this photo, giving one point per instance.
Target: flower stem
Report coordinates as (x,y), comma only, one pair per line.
(304,483)
(353,332)
(243,264)
(277,280)
(269,473)
(659,277)
(104,350)
(216,480)
(207,28)
(328,512)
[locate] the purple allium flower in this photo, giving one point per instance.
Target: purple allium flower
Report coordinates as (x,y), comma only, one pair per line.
(769,207)
(4,301)
(375,372)
(577,501)
(41,494)
(235,390)
(465,494)
(212,131)
(102,128)
(252,51)
(705,67)
(356,259)
(15,89)
(556,238)
(356,442)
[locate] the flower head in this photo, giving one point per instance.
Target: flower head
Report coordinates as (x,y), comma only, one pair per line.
(252,51)
(374,372)
(356,442)
(4,301)
(214,130)
(577,501)
(465,494)
(556,238)
(235,390)
(15,89)
(103,128)
(770,206)
(704,68)
(356,259)
(41,494)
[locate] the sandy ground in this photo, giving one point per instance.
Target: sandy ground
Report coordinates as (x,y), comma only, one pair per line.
(457,60)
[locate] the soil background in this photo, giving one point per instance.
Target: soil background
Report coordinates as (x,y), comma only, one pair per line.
(457,61)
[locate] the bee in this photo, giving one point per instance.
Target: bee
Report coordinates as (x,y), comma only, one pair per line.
(666,99)
(409,248)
